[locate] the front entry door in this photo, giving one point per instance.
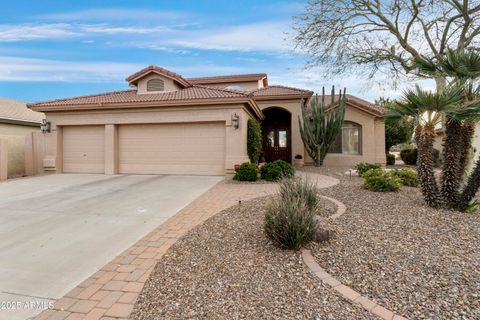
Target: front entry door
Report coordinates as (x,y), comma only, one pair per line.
(277,143)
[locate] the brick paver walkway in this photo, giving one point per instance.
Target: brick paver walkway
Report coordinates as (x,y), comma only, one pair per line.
(111,292)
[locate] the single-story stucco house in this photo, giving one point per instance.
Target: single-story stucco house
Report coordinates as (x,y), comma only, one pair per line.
(168,124)
(16,122)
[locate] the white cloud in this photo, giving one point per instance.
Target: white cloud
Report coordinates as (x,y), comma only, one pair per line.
(22,32)
(43,70)
(265,36)
(26,32)
(115,14)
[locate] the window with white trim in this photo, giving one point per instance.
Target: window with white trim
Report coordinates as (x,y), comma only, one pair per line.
(349,140)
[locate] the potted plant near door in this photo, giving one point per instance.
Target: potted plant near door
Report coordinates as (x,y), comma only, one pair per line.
(298,160)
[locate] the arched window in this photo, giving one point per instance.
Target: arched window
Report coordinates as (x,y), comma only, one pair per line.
(349,141)
(155,85)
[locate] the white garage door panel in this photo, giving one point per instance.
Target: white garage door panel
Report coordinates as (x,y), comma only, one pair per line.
(84,149)
(193,148)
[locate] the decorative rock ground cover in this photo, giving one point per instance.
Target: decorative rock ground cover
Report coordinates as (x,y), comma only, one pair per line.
(413,260)
(227,269)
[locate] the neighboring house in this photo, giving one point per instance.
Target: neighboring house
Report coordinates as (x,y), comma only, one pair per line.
(167,124)
(438,142)
(16,122)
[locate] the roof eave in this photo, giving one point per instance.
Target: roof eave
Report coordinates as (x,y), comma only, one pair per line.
(284,97)
(371,112)
(132,105)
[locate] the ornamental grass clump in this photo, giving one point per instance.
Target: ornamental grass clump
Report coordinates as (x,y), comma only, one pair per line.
(290,222)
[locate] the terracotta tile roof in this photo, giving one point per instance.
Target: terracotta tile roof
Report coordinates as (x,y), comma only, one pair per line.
(175,76)
(365,105)
(17,110)
(131,96)
(228,78)
(279,91)
(359,104)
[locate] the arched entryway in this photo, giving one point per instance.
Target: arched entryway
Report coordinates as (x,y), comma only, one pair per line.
(277,135)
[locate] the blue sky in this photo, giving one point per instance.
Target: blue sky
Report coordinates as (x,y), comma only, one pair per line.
(56,49)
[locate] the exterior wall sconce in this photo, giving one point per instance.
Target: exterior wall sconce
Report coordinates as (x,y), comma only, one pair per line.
(235,121)
(46,126)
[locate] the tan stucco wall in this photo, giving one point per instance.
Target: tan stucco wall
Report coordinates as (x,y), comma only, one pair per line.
(373,135)
(236,146)
(169,84)
(15,135)
(373,140)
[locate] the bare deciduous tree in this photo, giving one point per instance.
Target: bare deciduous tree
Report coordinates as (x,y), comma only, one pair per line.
(371,36)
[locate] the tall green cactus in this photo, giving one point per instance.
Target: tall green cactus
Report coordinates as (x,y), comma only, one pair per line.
(319,127)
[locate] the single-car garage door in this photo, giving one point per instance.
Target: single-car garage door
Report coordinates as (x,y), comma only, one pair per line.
(84,149)
(190,148)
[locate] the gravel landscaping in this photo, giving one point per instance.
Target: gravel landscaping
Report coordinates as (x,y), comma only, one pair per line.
(414,260)
(227,269)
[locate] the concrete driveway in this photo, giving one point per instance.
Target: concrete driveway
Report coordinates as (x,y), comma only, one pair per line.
(57,230)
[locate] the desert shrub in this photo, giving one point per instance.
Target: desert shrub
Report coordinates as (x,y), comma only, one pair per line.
(287,169)
(409,156)
(300,189)
(363,167)
(246,172)
(407,176)
(276,170)
(379,180)
(290,222)
(271,172)
(390,159)
(254,140)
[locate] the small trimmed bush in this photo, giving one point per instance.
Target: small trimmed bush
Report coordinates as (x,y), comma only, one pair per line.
(390,159)
(409,156)
(254,140)
(246,172)
(290,222)
(288,170)
(274,171)
(379,180)
(271,172)
(363,167)
(407,176)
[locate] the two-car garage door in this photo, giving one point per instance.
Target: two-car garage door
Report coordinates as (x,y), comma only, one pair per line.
(190,148)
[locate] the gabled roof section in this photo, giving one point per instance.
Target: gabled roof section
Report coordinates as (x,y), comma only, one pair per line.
(357,103)
(280,92)
(133,79)
(230,78)
(15,110)
(365,105)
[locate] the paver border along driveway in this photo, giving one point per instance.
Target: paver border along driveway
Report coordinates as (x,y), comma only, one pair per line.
(111,292)
(57,230)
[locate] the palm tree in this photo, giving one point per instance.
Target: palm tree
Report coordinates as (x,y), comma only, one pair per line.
(461,69)
(427,109)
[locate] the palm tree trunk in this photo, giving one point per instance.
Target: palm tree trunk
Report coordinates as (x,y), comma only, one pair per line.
(466,135)
(452,149)
(472,187)
(425,167)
